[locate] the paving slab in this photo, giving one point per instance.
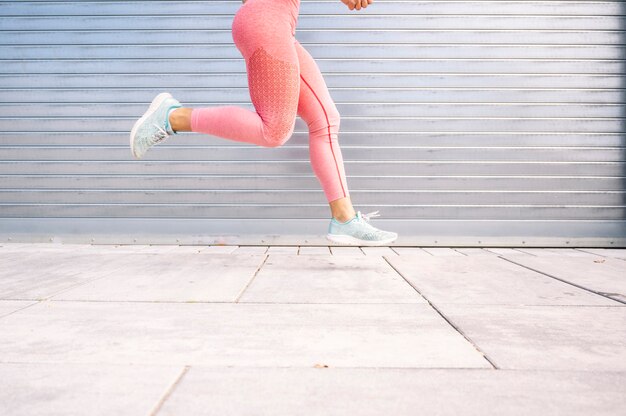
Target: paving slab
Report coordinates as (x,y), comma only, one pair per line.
(501,251)
(329,279)
(314,250)
(39,275)
(558,252)
(10,306)
(364,392)
(187,277)
(42,248)
(228,334)
(346,251)
(411,251)
(10,258)
(443,251)
(186,249)
(82,389)
(600,274)
(117,248)
(619,253)
(7,245)
(282,250)
(250,250)
(488,280)
(171,249)
(378,251)
(546,337)
(218,249)
(475,251)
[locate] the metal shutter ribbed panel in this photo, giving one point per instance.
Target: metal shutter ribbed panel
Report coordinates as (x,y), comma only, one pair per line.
(464,123)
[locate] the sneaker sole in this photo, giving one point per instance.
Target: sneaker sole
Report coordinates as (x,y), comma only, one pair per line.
(352,241)
(154,105)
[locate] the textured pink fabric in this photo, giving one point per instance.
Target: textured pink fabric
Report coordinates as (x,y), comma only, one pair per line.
(284,81)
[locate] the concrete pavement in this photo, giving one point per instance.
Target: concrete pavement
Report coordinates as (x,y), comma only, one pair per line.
(227,330)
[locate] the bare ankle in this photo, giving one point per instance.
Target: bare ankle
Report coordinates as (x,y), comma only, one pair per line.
(342,209)
(343,218)
(180,119)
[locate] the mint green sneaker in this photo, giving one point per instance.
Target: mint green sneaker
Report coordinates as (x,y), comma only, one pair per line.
(153,127)
(359,232)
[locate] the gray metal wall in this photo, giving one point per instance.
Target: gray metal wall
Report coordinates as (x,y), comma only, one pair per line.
(464,123)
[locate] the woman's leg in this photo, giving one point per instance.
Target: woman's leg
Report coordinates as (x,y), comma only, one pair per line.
(273,98)
(317,108)
(264,36)
(283,80)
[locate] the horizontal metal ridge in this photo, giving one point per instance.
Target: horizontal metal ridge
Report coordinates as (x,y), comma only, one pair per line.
(569,8)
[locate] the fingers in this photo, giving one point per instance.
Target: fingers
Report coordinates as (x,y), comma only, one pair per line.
(358,4)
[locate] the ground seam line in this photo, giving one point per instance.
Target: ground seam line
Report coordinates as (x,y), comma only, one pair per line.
(582,250)
(252,279)
(456,328)
(20,309)
(565,281)
(169,391)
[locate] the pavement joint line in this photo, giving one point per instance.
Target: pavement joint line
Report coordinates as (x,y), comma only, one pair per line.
(20,309)
(456,328)
(601,255)
(523,252)
(564,281)
(512,248)
(252,279)
(565,249)
(169,391)
(518,305)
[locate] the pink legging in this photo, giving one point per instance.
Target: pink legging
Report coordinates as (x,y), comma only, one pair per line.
(284,81)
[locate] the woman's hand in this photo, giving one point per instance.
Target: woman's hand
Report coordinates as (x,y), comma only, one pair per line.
(357,4)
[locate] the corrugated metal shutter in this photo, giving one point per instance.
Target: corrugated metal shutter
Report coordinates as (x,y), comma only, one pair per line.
(464,123)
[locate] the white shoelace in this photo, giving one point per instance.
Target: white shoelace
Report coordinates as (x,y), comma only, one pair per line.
(160,135)
(370,215)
